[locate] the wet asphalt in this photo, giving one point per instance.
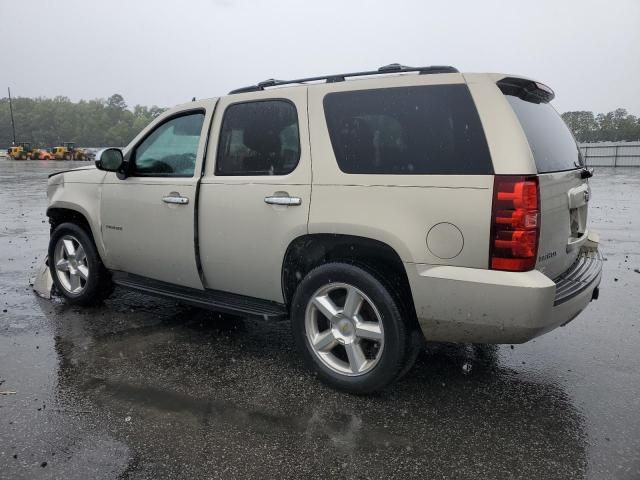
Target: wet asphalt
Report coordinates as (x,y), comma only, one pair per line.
(142,388)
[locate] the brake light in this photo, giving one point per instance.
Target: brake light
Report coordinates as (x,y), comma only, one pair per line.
(515,223)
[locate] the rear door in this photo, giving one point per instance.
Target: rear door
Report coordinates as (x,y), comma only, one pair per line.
(255,195)
(564,195)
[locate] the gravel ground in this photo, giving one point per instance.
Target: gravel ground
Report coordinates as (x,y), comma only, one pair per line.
(141,388)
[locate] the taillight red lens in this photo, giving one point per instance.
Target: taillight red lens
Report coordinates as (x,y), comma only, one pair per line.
(515,223)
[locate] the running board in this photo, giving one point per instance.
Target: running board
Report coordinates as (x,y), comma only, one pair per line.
(216,300)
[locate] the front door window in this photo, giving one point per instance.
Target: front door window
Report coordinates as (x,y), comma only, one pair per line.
(171,149)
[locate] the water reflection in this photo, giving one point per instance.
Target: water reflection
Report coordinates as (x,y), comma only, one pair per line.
(232,394)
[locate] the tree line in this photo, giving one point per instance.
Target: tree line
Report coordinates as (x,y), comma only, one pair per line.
(614,126)
(46,122)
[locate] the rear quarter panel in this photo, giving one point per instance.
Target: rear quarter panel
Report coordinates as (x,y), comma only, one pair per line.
(398,210)
(402,216)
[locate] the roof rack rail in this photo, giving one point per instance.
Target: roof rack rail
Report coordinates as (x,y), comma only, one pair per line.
(340,77)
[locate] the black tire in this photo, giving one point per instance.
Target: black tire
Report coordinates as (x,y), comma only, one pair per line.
(404,300)
(397,330)
(98,285)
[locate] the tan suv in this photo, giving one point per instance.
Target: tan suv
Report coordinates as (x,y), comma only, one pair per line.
(372,209)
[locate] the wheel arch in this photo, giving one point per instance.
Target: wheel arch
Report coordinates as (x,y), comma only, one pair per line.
(309,251)
(62,214)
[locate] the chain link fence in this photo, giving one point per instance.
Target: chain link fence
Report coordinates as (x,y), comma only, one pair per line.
(611,154)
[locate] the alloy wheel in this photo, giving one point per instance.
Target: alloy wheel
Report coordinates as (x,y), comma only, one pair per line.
(70,261)
(344,329)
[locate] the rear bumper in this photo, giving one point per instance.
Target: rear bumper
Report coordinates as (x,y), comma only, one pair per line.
(457,304)
(580,276)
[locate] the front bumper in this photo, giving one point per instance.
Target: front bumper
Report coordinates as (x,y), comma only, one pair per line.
(457,304)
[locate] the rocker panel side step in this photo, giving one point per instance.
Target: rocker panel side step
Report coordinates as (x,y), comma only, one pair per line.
(216,300)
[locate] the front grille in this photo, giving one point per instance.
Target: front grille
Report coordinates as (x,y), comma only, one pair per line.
(579,276)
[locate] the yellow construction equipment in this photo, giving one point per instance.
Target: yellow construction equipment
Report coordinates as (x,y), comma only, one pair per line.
(68,151)
(21,151)
(40,154)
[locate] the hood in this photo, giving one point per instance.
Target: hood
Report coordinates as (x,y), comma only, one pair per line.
(88,174)
(79,169)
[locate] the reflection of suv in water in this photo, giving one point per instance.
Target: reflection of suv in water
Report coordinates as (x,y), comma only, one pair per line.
(370,208)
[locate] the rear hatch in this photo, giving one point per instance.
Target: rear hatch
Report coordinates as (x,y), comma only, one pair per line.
(564,194)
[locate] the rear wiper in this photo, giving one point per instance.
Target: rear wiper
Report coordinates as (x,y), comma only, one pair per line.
(585,172)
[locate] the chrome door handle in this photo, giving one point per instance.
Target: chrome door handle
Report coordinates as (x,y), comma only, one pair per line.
(283,200)
(175,198)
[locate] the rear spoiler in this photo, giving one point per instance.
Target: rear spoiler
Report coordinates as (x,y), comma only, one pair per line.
(527,90)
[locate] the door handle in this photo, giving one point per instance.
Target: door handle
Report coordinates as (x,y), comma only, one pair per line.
(280,199)
(175,198)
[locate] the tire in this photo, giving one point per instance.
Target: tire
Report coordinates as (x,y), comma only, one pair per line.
(80,277)
(345,353)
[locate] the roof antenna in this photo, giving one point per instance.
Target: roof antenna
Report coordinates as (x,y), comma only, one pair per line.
(13,125)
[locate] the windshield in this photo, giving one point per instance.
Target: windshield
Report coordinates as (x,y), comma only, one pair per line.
(553,146)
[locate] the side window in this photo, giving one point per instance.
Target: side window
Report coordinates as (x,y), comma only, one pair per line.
(407,130)
(171,149)
(259,138)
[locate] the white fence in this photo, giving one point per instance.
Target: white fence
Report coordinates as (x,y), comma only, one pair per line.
(611,154)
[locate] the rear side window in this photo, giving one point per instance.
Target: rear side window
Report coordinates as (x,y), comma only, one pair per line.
(552,144)
(259,138)
(408,130)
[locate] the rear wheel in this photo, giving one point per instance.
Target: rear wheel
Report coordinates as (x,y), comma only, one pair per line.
(75,266)
(349,328)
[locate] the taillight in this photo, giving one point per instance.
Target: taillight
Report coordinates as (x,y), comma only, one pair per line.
(515,223)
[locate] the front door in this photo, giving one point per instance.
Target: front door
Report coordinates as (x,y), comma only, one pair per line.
(148,218)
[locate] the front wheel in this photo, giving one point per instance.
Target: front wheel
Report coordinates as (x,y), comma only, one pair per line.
(349,328)
(75,266)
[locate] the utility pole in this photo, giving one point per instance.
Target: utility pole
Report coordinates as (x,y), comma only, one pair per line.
(13,125)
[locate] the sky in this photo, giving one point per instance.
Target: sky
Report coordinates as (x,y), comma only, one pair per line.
(165,52)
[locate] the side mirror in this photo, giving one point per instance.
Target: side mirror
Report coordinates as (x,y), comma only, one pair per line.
(110,159)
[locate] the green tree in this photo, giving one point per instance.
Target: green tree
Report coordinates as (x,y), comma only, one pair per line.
(116,101)
(47,122)
(583,125)
(614,126)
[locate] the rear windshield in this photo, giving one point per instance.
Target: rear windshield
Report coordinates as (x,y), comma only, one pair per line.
(553,146)
(408,130)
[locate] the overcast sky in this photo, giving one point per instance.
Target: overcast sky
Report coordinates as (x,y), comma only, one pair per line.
(165,52)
